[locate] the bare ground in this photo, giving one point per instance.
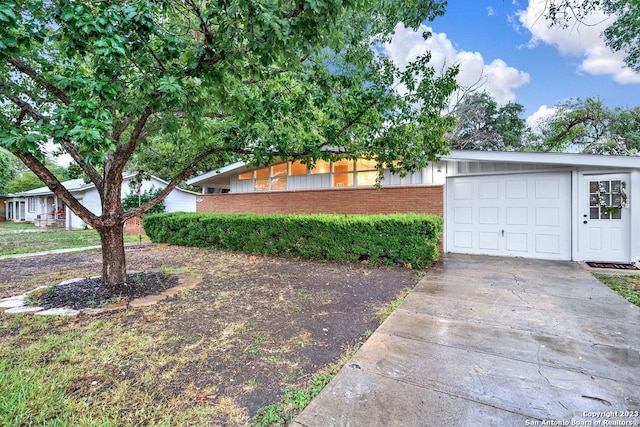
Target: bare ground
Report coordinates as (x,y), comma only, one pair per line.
(254,326)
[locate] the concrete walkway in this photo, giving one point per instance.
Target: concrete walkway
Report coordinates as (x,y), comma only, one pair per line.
(54,251)
(487,341)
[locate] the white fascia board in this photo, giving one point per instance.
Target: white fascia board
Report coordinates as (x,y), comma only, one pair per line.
(567,159)
(205,176)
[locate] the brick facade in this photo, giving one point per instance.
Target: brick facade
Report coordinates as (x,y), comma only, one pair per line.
(419,199)
(133,226)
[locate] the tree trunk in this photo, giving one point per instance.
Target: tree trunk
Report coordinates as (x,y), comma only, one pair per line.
(114,265)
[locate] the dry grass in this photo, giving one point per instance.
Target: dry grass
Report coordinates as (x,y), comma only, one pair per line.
(255,327)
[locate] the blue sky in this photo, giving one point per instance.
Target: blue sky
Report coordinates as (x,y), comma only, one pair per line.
(507,48)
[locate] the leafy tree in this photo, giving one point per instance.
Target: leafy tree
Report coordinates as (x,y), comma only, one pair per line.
(591,127)
(482,125)
(25,180)
(260,80)
(9,168)
(622,35)
(134,200)
(625,127)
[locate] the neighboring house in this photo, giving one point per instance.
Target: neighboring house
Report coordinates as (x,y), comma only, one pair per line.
(14,208)
(535,205)
(43,208)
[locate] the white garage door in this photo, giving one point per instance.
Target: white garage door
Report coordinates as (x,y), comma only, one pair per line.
(527,215)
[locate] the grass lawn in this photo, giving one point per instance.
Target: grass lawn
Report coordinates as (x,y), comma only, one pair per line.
(627,286)
(21,238)
(249,346)
(99,373)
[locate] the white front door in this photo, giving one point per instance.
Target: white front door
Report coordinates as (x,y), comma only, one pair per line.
(604,215)
(525,214)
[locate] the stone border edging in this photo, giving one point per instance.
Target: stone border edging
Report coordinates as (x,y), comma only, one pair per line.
(16,304)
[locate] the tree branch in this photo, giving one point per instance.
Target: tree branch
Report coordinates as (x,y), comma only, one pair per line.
(52,89)
(68,146)
(124,151)
(356,118)
(116,134)
(21,117)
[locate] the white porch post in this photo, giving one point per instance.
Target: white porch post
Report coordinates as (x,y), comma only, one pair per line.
(633,192)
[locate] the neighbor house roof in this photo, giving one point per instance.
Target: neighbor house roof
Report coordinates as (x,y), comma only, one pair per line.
(78,184)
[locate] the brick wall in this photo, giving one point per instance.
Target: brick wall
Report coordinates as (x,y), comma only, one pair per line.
(419,199)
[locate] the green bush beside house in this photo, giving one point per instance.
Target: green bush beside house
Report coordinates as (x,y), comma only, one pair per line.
(404,239)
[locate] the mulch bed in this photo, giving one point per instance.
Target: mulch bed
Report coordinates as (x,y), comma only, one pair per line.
(91,292)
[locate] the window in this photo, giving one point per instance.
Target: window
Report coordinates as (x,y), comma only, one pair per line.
(606,198)
(343,180)
(321,166)
(343,173)
(215,190)
(31,204)
(367,178)
(297,168)
(342,166)
(262,173)
(366,174)
(279,183)
(279,176)
(262,179)
(271,178)
(279,170)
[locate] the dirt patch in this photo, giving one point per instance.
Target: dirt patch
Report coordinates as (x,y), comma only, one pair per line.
(252,327)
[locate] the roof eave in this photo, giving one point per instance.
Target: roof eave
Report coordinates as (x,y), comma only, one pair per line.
(567,159)
(229,169)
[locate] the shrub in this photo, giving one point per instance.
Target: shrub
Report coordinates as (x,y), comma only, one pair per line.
(406,239)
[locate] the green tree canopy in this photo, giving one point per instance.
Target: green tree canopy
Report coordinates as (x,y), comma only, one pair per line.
(592,127)
(482,125)
(10,167)
(25,180)
(259,80)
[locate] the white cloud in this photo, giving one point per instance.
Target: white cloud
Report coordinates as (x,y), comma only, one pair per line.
(63,160)
(497,78)
(581,40)
(490,11)
(533,121)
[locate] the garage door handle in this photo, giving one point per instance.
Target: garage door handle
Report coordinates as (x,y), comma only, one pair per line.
(584,222)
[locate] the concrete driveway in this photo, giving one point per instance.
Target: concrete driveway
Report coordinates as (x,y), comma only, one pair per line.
(494,341)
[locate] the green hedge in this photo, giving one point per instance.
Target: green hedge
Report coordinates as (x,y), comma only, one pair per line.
(407,239)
